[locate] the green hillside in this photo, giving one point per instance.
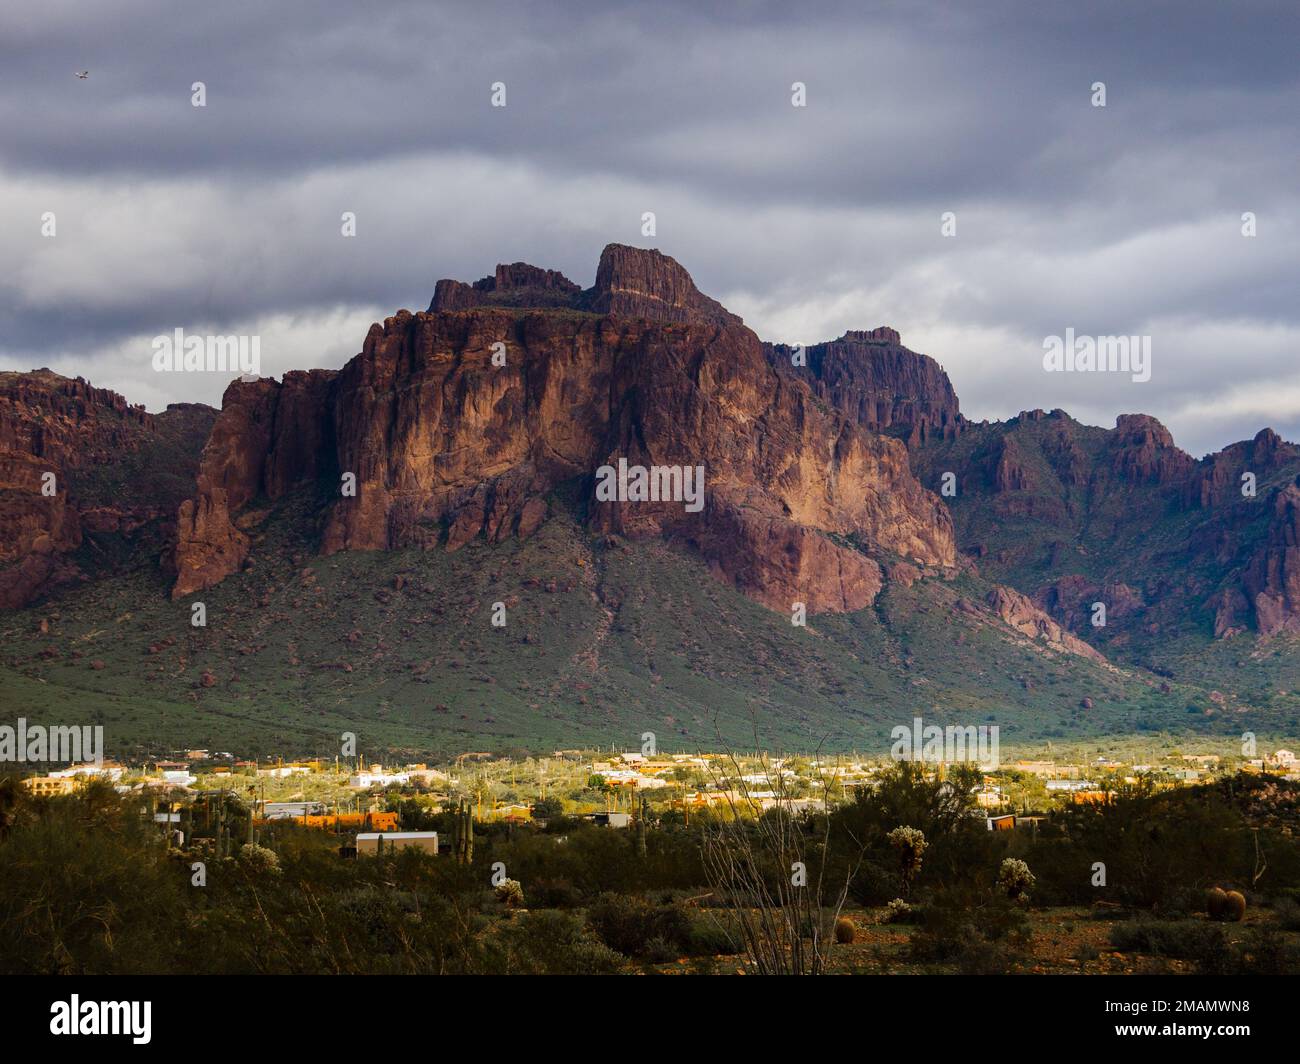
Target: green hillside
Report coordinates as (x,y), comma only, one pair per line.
(604,640)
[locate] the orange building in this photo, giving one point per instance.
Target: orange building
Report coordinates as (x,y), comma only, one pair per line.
(338,822)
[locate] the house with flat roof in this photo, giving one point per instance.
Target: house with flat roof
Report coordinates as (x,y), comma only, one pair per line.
(374,843)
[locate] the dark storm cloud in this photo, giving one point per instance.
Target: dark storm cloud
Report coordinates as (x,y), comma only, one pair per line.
(1122,219)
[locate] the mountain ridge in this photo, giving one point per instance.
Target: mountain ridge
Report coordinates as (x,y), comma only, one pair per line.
(480,423)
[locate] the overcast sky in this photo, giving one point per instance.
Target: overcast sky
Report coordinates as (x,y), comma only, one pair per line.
(806,221)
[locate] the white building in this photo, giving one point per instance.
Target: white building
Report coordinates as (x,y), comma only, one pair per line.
(363,781)
(112,772)
(280,772)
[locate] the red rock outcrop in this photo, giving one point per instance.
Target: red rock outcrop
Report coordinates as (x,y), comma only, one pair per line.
(634,283)
(1142,449)
(630,283)
(1272,579)
(1071,598)
(515,285)
(446,446)
(270,437)
(1010,474)
(1021,614)
(870,377)
(1218,479)
(53,425)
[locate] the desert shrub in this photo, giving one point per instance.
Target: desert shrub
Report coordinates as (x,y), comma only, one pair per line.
(982,957)
(1157,848)
(1264,951)
(628,923)
(659,951)
(713,936)
(546,942)
(938,809)
(510,893)
(86,888)
(1286,911)
(898,912)
(548,893)
(1192,940)
(910,845)
(258,860)
(874,882)
(958,919)
(1014,879)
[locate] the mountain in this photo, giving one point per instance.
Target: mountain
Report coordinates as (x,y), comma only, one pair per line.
(1184,568)
(354,534)
(876,382)
(1075,515)
(445,446)
(78,463)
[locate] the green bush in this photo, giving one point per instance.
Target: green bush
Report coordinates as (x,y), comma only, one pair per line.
(713,935)
(546,942)
(1286,911)
(1192,940)
(629,924)
(959,920)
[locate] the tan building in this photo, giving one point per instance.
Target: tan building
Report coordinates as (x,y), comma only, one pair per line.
(48,786)
(377,842)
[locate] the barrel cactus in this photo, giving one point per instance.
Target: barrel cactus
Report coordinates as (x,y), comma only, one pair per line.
(1216,903)
(1236,906)
(845,931)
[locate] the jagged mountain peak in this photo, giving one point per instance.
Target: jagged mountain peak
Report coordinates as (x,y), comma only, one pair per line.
(630,282)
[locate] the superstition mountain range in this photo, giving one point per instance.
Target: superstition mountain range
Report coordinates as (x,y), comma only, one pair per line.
(474,483)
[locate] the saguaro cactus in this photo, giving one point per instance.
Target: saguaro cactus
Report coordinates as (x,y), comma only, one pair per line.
(462,833)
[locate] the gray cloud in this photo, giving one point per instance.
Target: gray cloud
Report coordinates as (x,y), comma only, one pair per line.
(807,221)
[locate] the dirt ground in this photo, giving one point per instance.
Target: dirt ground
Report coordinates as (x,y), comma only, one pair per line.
(1063,941)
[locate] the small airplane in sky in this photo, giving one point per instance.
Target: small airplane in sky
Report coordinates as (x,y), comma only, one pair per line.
(83,74)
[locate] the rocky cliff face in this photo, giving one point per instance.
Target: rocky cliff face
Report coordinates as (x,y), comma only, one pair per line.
(876,382)
(446,445)
(1142,449)
(515,285)
(61,444)
(1021,614)
(1217,480)
(1271,581)
(271,437)
(630,283)
(816,469)
(1073,515)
